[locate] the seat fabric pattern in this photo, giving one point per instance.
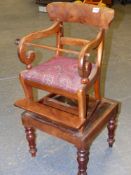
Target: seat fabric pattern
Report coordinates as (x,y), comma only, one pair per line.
(59,72)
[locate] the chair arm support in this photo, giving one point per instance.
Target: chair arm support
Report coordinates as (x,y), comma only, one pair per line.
(84,66)
(27,55)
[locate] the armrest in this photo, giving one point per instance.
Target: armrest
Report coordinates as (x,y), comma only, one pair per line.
(84,66)
(27,56)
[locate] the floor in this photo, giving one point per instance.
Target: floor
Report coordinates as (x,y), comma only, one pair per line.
(56,157)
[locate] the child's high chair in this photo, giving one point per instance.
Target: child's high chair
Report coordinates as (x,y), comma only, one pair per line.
(68,111)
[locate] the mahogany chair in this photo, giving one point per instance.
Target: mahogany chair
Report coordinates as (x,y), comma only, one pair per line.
(68,111)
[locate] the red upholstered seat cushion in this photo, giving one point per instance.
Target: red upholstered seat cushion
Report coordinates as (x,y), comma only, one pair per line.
(59,72)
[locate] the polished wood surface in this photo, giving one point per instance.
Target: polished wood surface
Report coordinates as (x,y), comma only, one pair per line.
(71,12)
(105,114)
(105,111)
(58,111)
(90,76)
(74,116)
(30,136)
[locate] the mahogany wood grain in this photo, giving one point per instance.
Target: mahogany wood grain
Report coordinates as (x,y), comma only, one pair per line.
(30,136)
(82,140)
(56,115)
(111,131)
(71,12)
(80,121)
(99,119)
(89,76)
(82,158)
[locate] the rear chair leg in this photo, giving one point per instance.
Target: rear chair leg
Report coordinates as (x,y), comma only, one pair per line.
(97,89)
(111,131)
(30,136)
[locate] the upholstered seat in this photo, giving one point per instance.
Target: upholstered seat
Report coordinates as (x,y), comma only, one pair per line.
(59,72)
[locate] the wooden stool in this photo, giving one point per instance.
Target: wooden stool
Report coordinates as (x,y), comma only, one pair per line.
(104,114)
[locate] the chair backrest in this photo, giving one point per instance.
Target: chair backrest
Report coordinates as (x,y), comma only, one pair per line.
(79,12)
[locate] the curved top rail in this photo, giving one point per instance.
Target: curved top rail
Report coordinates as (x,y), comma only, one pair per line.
(79,12)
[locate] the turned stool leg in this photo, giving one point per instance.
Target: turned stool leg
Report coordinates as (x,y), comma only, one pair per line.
(111,131)
(82,158)
(30,136)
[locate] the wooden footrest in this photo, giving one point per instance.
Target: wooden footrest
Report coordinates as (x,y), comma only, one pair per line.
(67,117)
(53,114)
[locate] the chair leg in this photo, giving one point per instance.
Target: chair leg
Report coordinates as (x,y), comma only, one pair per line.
(97,89)
(111,131)
(82,104)
(82,159)
(28,90)
(30,136)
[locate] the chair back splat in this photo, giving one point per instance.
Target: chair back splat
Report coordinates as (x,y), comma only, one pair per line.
(68,80)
